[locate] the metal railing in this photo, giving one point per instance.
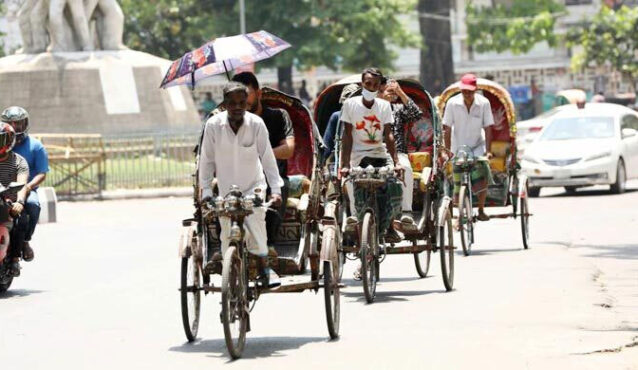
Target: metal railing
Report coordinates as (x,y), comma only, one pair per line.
(91,164)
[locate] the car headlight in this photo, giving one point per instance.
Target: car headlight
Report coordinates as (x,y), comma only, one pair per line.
(530,159)
(598,156)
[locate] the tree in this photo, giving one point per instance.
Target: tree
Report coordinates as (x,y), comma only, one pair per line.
(516,26)
(167,28)
(610,38)
(437,65)
(338,34)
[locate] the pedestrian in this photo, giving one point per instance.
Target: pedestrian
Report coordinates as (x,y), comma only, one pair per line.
(303,93)
(208,104)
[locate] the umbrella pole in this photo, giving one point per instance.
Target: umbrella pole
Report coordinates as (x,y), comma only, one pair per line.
(226,69)
(193,81)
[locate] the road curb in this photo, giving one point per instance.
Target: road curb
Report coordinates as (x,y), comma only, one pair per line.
(131,194)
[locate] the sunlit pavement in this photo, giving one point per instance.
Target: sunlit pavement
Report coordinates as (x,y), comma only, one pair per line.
(102,294)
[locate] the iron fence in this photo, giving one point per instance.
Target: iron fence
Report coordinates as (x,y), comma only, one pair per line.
(91,164)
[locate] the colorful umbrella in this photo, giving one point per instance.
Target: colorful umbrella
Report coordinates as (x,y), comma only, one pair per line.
(222,55)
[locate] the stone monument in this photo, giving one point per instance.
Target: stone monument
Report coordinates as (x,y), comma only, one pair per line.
(74,74)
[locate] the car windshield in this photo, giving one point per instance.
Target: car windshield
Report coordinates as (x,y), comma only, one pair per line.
(579,128)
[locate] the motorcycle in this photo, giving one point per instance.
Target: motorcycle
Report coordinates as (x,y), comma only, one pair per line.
(5,206)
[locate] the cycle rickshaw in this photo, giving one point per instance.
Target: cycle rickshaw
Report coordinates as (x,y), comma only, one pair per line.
(510,187)
(298,241)
(432,206)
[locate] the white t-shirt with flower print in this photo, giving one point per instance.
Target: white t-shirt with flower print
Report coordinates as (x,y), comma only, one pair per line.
(367,127)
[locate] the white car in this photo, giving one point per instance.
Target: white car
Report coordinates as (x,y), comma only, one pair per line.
(596,145)
(528,130)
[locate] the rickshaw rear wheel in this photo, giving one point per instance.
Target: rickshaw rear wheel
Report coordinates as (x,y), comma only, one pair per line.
(446,247)
(190,296)
(466,224)
(332,298)
(423,266)
(369,263)
(525,222)
(234,302)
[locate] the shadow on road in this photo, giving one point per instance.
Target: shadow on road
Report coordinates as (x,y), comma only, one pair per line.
(19,293)
(352,282)
(586,193)
(487,252)
(619,251)
(390,296)
(255,347)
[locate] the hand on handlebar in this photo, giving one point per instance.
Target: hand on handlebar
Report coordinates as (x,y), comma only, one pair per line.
(399,171)
(345,171)
(16,209)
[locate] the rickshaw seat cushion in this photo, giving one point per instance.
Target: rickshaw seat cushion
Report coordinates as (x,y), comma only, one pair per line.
(420,160)
(500,149)
(297,186)
(497,164)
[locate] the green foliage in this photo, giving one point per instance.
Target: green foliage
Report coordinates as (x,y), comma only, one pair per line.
(335,33)
(167,28)
(610,38)
(516,28)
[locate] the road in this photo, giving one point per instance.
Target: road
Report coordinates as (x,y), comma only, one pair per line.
(102,294)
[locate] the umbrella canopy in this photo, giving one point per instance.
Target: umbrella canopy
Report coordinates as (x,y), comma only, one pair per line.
(222,55)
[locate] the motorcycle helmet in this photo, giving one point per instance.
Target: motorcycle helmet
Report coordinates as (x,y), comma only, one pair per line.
(17,117)
(7,138)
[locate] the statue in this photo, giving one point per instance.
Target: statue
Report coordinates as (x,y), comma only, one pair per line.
(66,25)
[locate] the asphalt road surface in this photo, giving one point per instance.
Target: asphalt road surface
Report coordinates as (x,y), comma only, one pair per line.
(102,294)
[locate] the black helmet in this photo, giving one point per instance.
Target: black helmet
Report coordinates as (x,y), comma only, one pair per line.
(7,138)
(17,117)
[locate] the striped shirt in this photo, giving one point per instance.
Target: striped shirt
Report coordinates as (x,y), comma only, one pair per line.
(10,169)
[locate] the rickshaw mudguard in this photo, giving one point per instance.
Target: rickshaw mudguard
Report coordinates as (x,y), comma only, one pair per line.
(329,246)
(443,209)
(522,186)
(187,240)
(424,181)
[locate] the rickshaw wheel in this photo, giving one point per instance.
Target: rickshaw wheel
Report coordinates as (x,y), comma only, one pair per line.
(422,268)
(369,263)
(446,247)
(332,298)
(190,296)
(525,222)
(466,224)
(234,302)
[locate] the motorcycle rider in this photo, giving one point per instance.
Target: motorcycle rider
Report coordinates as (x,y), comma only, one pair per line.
(32,150)
(14,168)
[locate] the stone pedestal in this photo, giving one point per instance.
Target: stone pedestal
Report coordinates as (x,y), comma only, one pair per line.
(102,92)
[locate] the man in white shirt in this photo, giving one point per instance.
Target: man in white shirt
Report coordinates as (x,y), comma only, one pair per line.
(367,139)
(467,116)
(236,149)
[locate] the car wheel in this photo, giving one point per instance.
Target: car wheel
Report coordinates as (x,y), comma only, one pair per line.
(533,192)
(571,190)
(621,178)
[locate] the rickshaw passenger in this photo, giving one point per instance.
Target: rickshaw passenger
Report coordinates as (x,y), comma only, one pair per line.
(235,149)
(405,111)
(282,140)
(367,124)
(467,116)
(331,128)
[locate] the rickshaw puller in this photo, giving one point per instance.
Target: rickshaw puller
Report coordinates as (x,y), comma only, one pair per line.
(236,149)
(467,116)
(367,125)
